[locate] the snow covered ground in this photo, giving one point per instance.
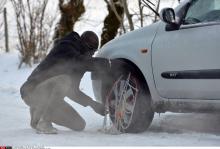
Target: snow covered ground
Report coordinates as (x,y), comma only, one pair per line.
(166,130)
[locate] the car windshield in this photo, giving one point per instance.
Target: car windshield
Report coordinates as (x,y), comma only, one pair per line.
(203,11)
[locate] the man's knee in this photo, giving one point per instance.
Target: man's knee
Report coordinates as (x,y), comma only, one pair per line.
(24,92)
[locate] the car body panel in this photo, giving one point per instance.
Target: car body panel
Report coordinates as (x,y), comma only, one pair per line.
(192,50)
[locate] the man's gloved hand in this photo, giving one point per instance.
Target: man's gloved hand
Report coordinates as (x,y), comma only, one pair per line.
(101,64)
(116,64)
(98,108)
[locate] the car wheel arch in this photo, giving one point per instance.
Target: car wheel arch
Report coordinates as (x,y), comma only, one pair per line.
(136,70)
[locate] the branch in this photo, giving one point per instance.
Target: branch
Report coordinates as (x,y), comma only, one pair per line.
(112,5)
(157,9)
(144,2)
(125,5)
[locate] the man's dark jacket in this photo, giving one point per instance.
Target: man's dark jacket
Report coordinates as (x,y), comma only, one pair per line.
(68,56)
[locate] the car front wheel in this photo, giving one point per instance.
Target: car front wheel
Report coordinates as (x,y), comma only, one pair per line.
(129,100)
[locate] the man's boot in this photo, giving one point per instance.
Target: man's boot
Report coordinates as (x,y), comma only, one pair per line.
(34,118)
(45,127)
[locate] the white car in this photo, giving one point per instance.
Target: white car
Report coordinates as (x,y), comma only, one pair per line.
(172,65)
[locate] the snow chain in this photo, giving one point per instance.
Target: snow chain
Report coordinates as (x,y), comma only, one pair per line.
(115,128)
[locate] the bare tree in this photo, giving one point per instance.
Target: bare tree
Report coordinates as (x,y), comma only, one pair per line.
(115,19)
(141,13)
(71,11)
(6,30)
(157,10)
(128,15)
(1,31)
(33,27)
(2,5)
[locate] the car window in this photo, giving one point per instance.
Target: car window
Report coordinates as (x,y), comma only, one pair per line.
(203,11)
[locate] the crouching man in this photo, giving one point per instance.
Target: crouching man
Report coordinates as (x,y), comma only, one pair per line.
(59,76)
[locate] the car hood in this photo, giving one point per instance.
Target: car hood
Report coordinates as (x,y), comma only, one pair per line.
(140,37)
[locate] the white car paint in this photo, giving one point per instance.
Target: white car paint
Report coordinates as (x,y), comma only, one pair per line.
(187,49)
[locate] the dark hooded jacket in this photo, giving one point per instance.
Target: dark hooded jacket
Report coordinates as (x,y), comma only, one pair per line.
(68,56)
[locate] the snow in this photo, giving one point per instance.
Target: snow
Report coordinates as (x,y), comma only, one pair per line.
(166,130)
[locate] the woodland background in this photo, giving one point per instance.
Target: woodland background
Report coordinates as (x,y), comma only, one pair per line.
(31,26)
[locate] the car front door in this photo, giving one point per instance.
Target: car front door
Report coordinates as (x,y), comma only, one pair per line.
(186,62)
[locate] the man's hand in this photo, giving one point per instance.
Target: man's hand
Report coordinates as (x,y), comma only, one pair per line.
(98,108)
(102,64)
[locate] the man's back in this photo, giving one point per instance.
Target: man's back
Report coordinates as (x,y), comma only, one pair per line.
(62,59)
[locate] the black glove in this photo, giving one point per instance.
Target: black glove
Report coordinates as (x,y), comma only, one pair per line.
(104,67)
(100,67)
(117,65)
(101,64)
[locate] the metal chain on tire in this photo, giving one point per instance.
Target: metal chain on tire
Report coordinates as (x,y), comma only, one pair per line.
(117,127)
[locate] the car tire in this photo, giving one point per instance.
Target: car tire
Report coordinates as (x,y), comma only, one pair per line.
(142,113)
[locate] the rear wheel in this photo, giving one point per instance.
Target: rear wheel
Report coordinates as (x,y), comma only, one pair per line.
(129,101)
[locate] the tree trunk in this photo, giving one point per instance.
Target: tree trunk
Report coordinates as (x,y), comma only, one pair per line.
(141,13)
(112,22)
(70,14)
(157,10)
(129,17)
(6,30)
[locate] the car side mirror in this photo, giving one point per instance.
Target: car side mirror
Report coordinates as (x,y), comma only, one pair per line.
(168,16)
